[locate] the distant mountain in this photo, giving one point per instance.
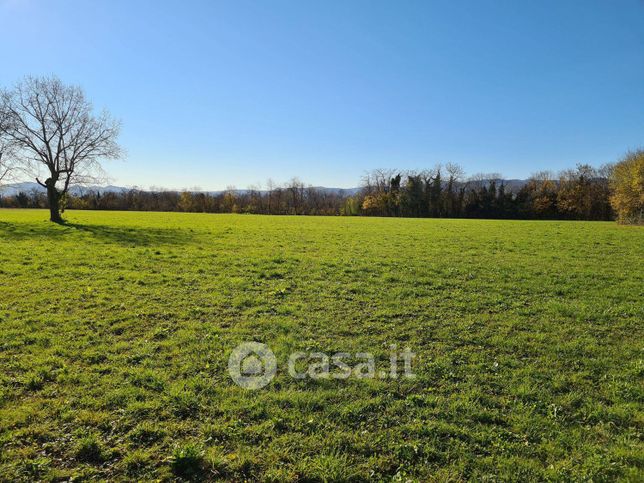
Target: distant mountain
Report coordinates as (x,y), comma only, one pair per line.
(339,191)
(28,187)
(15,188)
(513,185)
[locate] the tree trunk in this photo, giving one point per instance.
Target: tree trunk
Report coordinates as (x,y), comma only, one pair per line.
(53,196)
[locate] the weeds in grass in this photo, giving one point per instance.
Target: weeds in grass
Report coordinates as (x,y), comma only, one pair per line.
(89,449)
(189,462)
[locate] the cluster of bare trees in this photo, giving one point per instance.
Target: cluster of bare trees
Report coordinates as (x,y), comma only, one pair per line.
(292,198)
(48,129)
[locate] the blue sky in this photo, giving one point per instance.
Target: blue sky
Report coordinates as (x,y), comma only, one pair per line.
(215,93)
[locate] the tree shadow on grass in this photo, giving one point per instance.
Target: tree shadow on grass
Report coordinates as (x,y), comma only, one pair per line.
(122,235)
(140,236)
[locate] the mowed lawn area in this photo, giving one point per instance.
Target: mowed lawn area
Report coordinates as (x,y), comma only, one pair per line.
(115,332)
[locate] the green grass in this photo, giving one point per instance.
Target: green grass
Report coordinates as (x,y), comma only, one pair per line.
(116,331)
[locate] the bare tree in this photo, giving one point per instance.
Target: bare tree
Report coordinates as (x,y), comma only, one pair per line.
(6,160)
(53,127)
(295,188)
(455,171)
(7,153)
(378,180)
(270,188)
(479,180)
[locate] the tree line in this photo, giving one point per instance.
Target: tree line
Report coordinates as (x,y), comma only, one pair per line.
(581,193)
(49,131)
(293,198)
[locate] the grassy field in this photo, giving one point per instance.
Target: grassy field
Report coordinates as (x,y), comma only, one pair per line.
(116,331)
